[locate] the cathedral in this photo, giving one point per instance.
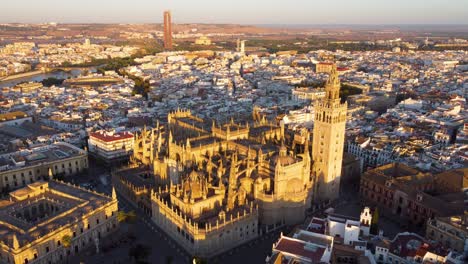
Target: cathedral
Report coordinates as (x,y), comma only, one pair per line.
(215,184)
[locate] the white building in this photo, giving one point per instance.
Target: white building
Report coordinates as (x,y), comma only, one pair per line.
(348,228)
(110,146)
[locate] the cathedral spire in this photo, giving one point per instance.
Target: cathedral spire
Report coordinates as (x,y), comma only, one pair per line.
(114,194)
(15,242)
(232,188)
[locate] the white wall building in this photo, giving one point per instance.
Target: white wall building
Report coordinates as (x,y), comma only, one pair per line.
(110,145)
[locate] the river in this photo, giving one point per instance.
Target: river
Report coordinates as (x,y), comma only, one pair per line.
(39,77)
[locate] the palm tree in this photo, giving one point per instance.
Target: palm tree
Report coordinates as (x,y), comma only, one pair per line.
(128,218)
(121,216)
(124,217)
(66,243)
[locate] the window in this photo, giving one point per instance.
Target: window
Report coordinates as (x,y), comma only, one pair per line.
(419,197)
(47,249)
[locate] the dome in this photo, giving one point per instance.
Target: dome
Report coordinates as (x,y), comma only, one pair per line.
(284,160)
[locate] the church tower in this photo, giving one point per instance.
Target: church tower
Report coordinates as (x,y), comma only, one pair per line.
(328,139)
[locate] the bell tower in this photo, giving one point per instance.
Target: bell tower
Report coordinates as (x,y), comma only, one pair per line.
(328,139)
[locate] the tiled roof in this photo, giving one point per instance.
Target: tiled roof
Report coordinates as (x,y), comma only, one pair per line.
(299,248)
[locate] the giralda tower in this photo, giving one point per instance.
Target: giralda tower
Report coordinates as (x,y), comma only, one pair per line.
(328,140)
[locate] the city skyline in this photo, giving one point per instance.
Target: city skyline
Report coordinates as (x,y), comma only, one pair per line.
(364,12)
(234,131)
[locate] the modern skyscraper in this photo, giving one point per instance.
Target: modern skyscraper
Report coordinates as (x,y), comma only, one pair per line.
(328,139)
(167,30)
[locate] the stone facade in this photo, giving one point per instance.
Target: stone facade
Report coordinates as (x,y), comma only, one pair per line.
(412,196)
(36,221)
(20,168)
(215,186)
(328,139)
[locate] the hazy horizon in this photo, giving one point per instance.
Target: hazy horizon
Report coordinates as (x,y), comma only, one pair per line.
(244,12)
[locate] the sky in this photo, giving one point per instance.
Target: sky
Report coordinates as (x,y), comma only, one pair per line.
(369,12)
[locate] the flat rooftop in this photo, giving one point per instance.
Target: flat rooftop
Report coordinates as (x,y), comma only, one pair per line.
(39,154)
(68,203)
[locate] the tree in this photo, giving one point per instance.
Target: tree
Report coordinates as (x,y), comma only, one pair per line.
(347,90)
(66,241)
(374,229)
(52,81)
(139,253)
(128,218)
(124,217)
